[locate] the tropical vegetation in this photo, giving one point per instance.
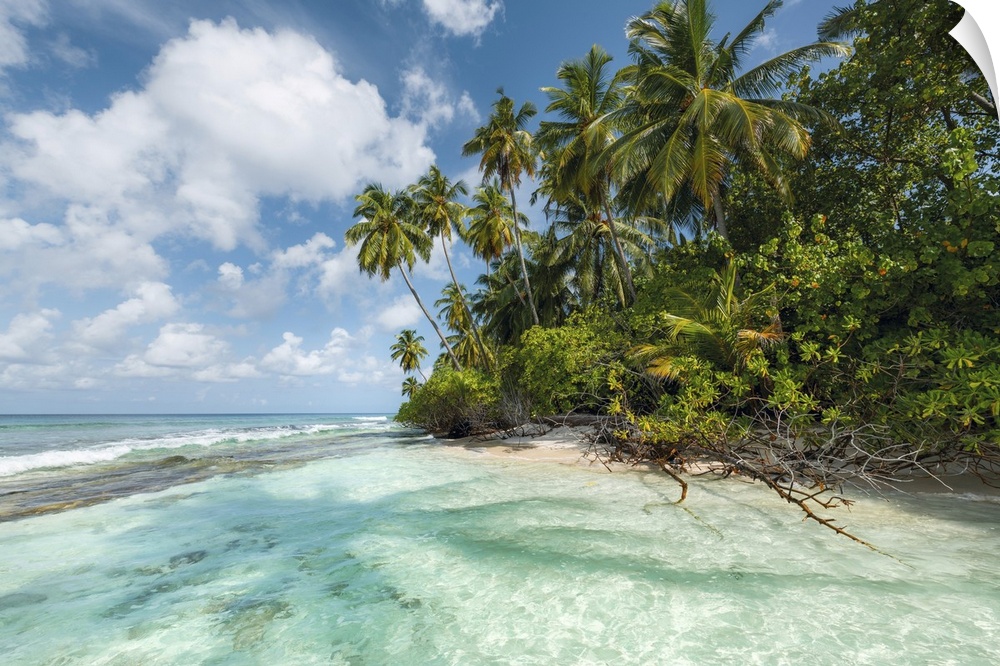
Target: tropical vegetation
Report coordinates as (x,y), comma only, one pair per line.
(792,275)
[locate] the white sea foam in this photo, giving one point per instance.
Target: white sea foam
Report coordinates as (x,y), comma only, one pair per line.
(11,465)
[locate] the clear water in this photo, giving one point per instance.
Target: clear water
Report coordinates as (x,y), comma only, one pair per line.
(390,548)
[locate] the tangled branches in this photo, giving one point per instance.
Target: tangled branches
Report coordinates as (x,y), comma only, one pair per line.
(804,462)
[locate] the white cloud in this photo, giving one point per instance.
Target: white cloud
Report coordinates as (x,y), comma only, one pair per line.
(89,249)
(462,17)
(185,346)
(262,296)
(16,234)
(230,276)
(306,255)
(289,359)
(226,116)
(370,370)
(342,356)
(429,102)
(14,14)
(27,336)
(401,313)
(339,276)
(152,301)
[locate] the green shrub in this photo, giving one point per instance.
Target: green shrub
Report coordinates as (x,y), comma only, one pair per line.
(560,370)
(454,404)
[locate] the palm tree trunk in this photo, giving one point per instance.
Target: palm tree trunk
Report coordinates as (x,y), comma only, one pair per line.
(620,253)
(720,216)
(520,254)
(422,374)
(465,306)
(437,329)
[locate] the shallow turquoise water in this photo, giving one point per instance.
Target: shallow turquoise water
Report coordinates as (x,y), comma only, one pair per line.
(410,552)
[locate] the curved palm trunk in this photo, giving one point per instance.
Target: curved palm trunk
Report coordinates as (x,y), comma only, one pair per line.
(520,254)
(437,329)
(620,253)
(422,374)
(465,305)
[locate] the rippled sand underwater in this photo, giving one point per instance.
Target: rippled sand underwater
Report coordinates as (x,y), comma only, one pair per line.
(409,553)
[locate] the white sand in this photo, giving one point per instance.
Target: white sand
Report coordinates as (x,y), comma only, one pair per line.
(564,445)
(569,445)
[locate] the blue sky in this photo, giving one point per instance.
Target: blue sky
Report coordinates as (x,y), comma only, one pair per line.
(176,179)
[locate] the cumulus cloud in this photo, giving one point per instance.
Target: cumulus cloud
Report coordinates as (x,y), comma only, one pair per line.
(27,336)
(17,234)
(227,115)
(90,249)
(430,103)
(342,356)
(290,359)
(265,290)
(305,255)
(401,313)
(462,17)
(230,276)
(185,346)
(152,301)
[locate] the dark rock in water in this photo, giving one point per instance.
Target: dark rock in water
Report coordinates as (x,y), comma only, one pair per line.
(173,460)
(184,559)
(18,599)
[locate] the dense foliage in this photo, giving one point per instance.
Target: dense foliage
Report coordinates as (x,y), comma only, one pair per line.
(731,251)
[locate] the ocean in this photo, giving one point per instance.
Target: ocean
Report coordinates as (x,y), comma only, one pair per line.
(348,539)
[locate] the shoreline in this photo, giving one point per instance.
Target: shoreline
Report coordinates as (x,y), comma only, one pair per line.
(568,445)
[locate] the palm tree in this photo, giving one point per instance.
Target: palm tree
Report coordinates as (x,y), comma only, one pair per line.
(408,350)
(692,113)
(436,199)
(575,144)
(410,386)
(390,238)
(721,328)
(507,153)
(458,317)
(590,249)
(491,224)
(500,304)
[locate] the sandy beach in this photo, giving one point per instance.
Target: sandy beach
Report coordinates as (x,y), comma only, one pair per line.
(570,445)
(565,445)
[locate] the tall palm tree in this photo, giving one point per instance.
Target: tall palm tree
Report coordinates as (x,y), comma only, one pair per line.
(436,199)
(408,350)
(693,113)
(575,144)
(390,238)
(507,153)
